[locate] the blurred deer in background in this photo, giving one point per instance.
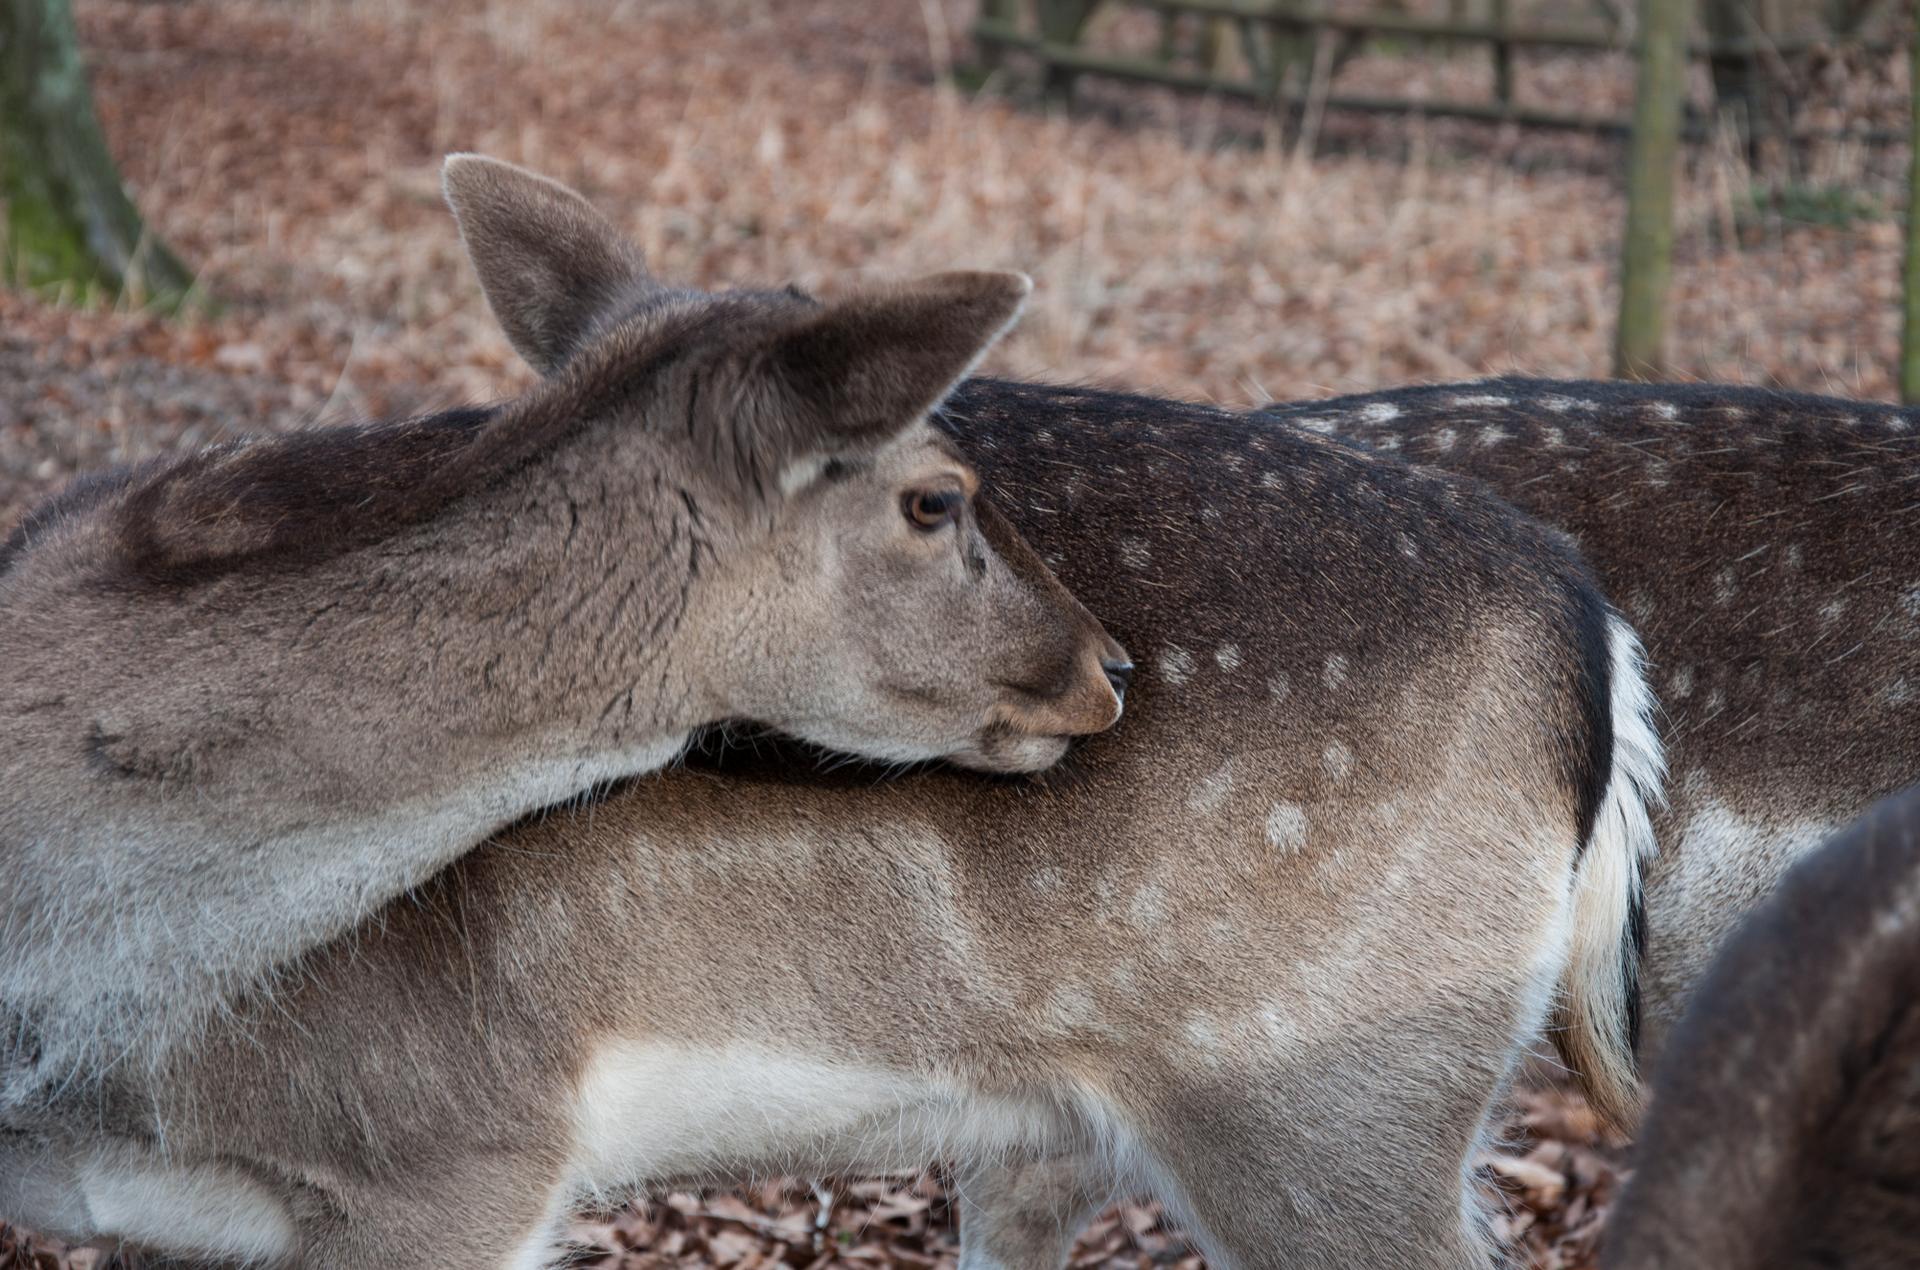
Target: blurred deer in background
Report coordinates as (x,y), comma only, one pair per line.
(1270,951)
(252,693)
(1767,546)
(1785,1126)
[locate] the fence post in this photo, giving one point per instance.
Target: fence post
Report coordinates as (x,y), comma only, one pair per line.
(1503,53)
(1007,11)
(1061,22)
(1653,153)
(1910,332)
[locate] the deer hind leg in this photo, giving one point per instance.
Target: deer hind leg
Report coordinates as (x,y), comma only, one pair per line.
(1352,1154)
(1023,1214)
(496,1212)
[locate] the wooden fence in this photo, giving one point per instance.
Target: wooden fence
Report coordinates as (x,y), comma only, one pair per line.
(1280,43)
(1288,50)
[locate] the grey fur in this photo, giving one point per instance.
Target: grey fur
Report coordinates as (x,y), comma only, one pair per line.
(252,694)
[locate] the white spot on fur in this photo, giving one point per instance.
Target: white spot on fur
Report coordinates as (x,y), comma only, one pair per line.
(1560,405)
(1680,683)
(1227,656)
(1379,412)
(1047,880)
(1407,547)
(1279,688)
(1204,1036)
(1134,553)
(1724,586)
(1334,673)
(1470,401)
(1898,693)
(1794,555)
(1665,410)
(1149,906)
(1318,423)
(1387,443)
(1493,436)
(1443,439)
(1071,1007)
(1271,480)
(1554,437)
(1177,665)
(1910,601)
(1287,827)
(1831,611)
(1277,1028)
(1210,794)
(1337,759)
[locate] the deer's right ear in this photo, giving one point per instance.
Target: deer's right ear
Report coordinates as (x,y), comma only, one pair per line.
(859,371)
(550,264)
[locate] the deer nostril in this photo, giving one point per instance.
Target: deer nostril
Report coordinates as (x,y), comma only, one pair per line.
(1119,674)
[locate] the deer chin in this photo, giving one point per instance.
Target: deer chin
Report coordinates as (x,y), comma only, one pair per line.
(1001,749)
(997,746)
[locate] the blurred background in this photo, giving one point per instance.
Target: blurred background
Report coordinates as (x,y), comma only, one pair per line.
(224,217)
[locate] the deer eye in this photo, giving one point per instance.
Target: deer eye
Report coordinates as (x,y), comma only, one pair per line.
(929,509)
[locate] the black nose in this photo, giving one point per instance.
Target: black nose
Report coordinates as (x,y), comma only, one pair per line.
(1119,674)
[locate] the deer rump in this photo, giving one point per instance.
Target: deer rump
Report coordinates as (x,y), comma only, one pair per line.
(1766,546)
(1270,950)
(1785,1124)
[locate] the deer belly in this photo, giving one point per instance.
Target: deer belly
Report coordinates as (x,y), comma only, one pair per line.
(650,1113)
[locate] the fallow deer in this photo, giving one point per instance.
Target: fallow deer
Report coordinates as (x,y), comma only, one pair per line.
(251,693)
(1766,544)
(1271,950)
(1784,1131)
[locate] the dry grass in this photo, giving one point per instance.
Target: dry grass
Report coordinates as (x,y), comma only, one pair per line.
(292,151)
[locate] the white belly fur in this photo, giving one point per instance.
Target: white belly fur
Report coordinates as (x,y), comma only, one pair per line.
(653,1112)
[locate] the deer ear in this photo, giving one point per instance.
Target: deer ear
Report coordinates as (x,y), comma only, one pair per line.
(550,264)
(862,370)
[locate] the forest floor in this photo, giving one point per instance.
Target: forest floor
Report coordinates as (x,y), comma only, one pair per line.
(1181,247)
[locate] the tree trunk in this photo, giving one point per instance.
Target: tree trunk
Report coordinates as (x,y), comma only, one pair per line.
(1652,157)
(1910,333)
(68,222)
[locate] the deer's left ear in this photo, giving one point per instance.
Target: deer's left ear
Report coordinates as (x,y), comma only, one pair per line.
(858,372)
(550,264)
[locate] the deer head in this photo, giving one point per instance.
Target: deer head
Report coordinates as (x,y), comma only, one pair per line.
(865,598)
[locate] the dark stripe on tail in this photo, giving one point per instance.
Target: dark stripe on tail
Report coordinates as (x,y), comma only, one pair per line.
(1589,751)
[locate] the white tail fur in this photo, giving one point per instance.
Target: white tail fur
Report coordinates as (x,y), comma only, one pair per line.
(1595,1022)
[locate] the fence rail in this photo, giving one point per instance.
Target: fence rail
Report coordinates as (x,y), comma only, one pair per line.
(1275,35)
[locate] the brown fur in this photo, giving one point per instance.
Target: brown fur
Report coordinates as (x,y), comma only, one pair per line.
(1785,1127)
(1767,546)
